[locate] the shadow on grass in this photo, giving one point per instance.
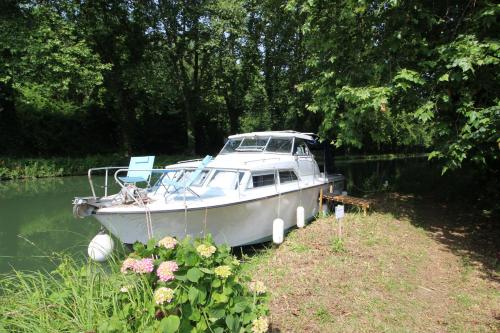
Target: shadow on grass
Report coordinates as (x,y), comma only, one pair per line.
(469,232)
(461,209)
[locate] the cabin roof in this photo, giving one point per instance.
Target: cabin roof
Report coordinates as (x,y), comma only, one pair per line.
(288,134)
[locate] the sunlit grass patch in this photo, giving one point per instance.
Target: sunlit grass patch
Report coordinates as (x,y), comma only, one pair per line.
(384,274)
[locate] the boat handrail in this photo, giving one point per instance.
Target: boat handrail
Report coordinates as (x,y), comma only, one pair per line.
(89,175)
(122,184)
(187,161)
(120,169)
(262,160)
(107,169)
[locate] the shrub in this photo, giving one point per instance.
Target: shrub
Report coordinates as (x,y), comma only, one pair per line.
(188,286)
(198,287)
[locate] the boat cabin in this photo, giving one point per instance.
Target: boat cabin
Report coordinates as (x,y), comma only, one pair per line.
(247,162)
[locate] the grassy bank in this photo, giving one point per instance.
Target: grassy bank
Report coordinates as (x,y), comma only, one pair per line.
(412,266)
(20,168)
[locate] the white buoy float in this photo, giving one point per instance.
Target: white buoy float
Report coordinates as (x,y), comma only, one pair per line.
(278,230)
(100,247)
(300,217)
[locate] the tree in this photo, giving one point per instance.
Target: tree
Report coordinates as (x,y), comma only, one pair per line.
(407,73)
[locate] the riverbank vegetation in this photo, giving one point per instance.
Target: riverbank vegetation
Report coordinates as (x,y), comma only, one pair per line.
(166,287)
(22,168)
(29,168)
(164,77)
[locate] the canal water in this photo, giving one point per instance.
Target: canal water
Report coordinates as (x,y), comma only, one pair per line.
(36,220)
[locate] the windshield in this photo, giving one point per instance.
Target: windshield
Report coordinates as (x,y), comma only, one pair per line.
(245,144)
(280,145)
(253,144)
(231,145)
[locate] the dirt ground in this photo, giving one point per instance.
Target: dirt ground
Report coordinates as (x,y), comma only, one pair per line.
(409,266)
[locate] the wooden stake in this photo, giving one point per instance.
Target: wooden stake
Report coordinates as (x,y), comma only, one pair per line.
(340,228)
(321,200)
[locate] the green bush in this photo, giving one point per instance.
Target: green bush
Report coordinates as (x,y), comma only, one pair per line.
(188,286)
(199,287)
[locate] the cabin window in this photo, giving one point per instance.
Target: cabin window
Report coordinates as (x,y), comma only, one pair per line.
(300,148)
(280,145)
(227,180)
(287,176)
(261,179)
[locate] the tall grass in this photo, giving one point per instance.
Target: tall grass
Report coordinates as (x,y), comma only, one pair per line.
(73,298)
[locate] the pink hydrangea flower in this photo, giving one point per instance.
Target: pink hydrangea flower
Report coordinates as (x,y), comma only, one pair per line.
(166,270)
(144,266)
(128,264)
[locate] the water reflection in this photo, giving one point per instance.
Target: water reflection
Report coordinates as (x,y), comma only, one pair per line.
(36,220)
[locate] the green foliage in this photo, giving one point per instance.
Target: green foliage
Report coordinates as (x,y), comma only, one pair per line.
(203,297)
(72,298)
(337,245)
(49,66)
(209,290)
(406,73)
(97,76)
(12,168)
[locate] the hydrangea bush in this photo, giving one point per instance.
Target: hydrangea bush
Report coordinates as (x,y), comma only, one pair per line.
(196,286)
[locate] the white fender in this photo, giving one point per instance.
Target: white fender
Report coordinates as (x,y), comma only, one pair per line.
(300,217)
(278,230)
(100,247)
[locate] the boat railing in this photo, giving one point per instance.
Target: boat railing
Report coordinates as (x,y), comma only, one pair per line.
(118,169)
(125,169)
(187,161)
(261,160)
(122,169)
(106,172)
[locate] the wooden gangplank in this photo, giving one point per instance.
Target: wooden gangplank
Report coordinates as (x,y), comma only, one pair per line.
(347,200)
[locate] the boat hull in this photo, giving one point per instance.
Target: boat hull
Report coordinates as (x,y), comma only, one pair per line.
(236,224)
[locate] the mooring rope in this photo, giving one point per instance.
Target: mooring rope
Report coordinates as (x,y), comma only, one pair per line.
(205,222)
(149,222)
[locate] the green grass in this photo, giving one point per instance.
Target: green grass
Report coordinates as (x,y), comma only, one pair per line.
(74,298)
(337,245)
(386,274)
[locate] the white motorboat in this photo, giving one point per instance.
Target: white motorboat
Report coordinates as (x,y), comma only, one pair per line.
(256,178)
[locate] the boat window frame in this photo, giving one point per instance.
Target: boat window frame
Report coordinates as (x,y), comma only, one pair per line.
(280,138)
(261,173)
(300,140)
(239,177)
(288,181)
(222,152)
(240,148)
(181,172)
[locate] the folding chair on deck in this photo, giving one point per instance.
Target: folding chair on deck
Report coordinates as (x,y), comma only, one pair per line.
(139,170)
(186,182)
